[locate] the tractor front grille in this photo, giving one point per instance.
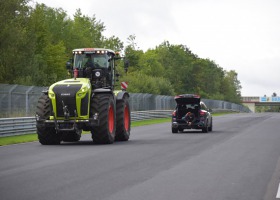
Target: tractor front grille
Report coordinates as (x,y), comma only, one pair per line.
(66,95)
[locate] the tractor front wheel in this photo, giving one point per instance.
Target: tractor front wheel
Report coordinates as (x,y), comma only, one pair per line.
(46,135)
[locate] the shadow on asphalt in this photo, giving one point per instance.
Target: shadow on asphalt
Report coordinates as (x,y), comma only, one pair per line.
(89,143)
(190,132)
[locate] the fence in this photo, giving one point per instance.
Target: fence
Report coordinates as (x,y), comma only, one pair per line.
(18,100)
(21,101)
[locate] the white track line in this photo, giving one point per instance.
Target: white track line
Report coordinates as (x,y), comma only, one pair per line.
(278,192)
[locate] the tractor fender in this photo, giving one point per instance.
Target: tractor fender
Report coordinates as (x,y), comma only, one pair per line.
(102,90)
(121,94)
(45,91)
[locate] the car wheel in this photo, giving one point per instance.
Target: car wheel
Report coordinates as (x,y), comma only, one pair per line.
(205,129)
(174,130)
(211,127)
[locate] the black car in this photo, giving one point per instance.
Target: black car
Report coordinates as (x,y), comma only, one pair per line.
(191,113)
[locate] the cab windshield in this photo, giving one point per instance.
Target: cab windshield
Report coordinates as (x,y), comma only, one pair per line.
(91,60)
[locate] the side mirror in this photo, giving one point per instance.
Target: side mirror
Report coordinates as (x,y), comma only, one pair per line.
(69,64)
(126,65)
(117,75)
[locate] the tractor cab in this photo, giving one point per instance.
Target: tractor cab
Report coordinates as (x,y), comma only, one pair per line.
(92,58)
(94,63)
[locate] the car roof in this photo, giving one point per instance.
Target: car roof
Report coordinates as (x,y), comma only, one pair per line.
(187,99)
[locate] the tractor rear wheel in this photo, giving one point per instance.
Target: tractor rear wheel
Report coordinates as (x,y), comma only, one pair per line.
(46,135)
(104,106)
(123,120)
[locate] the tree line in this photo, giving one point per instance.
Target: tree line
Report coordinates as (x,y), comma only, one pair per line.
(36,42)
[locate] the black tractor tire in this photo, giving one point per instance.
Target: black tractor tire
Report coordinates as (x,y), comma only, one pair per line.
(174,130)
(73,136)
(104,105)
(46,135)
(123,120)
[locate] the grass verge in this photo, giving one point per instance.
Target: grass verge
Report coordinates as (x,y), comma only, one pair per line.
(18,139)
(33,137)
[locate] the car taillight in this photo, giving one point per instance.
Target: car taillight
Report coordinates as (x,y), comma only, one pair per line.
(202,113)
(174,114)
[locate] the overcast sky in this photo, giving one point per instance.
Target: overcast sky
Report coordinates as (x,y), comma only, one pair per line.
(240,35)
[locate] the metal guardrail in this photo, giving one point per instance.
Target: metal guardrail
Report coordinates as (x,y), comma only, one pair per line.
(27,125)
(150,114)
(17,126)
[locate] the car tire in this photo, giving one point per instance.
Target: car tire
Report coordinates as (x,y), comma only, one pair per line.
(211,127)
(205,129)
(181,130)
(174,130)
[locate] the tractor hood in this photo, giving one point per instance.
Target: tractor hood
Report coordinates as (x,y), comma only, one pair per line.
(83,83)
(71,95)
(187,99)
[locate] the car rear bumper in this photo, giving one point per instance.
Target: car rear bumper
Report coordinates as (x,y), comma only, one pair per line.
(184,125)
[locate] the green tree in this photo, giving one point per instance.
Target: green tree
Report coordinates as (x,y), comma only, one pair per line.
(36,42)
(141,83)
(113,43)
(47,50)
(150,64)
(13,42)
(175,62)
(231,87)
(85,32)
(133,55)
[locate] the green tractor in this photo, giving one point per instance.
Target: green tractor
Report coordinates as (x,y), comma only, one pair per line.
(86,102)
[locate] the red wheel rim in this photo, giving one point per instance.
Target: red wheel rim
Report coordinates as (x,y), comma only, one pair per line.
(111,119)
(126,118)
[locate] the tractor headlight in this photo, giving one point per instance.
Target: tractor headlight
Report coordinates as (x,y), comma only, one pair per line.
(82,91)
(51,95)
(97,74)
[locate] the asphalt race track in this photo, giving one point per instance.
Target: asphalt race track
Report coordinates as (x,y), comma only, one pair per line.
(239,160)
